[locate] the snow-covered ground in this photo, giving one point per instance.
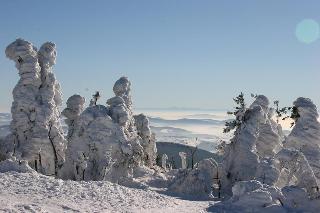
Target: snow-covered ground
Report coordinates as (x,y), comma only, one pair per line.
(28,192)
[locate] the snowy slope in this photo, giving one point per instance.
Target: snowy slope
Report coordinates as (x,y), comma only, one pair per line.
(27,192)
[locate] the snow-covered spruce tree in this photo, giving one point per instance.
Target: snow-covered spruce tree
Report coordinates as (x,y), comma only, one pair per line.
(147,141)
(74,108)
(256,139)
(120,110)
(295,170)
(238,113)
(36,135)
(95,98)
(305,135)
(270,137)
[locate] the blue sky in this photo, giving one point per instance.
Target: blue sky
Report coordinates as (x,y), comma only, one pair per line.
(183,53)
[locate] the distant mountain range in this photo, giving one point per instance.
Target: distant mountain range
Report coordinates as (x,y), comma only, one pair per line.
(186,121)
(179,109)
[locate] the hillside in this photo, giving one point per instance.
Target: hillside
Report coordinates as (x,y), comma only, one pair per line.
(172,151)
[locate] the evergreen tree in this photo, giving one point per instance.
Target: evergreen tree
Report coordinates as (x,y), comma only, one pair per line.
(284,111)
(95,97)
(239,112)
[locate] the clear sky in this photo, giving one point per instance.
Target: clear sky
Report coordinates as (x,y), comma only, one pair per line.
(184,53)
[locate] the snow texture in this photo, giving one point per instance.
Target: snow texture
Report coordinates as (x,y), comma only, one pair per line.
(29,192)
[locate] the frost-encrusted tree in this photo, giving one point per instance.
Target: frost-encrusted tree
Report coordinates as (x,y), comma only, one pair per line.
(120,110)
(37,135)
(296,170)
(196,181)
(305,135)
(95,98)
(256,137)
(121,106)
(270,137)
(105,144)
(74,108)
(147,141)
(282,113)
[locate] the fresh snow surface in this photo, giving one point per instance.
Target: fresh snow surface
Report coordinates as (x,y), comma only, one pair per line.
(28,192)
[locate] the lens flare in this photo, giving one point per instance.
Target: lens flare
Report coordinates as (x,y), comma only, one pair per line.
(307,31)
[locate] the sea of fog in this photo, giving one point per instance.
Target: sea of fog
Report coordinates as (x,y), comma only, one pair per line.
(202,128)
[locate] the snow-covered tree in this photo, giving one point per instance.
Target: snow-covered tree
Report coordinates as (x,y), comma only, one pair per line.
(106,143)
(95,98)
(37,134)
(305,135)
(239,112)
(74,108)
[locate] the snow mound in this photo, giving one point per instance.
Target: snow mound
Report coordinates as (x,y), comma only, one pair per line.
(252,196)
(12,165)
